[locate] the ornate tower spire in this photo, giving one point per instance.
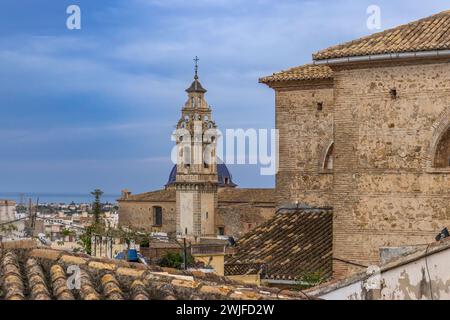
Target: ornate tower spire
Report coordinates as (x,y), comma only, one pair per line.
(196,175)
(196,86)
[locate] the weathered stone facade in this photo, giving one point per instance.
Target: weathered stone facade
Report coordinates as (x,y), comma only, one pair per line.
(389,182)
(385,191)
(304,118)
(139,213)
(384,123)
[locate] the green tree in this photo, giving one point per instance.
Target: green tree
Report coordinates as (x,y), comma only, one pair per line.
(309,279)
(174,260)
(97,206)
(96,228)
(86,239)
(171,260)
(67,232)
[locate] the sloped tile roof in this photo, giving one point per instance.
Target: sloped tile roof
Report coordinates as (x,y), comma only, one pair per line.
(165,195)
(246,195)
(305,72)
(291,243)
(42,274)
(431,33)
(238,195)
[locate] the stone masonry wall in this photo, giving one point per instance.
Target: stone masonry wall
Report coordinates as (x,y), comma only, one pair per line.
(238,219)
(384,193)
(139,216)
(306,133)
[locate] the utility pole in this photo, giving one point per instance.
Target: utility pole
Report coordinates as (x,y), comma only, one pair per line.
(185,254)
(30,218)
(33,219)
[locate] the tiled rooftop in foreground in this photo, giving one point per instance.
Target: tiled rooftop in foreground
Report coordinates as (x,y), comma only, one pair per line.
(41,274)
(293,242)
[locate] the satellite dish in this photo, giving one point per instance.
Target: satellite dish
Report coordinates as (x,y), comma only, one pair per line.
(43,239)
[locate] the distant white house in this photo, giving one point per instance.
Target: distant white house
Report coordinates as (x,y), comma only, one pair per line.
(7,210)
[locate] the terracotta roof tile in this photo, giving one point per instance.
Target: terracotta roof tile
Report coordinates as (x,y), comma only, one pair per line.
(59,283)
(157,196)
(305,72)
(247,195)
(284,247)
(43,274)
(431,33)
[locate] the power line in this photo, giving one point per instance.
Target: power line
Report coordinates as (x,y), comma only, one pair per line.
(350,262)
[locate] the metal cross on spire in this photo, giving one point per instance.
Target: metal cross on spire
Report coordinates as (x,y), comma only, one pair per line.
(196,60)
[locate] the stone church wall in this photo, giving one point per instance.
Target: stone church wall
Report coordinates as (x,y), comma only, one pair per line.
(139,216)
(385,191)
(390,180)
(304,118)
(239,219)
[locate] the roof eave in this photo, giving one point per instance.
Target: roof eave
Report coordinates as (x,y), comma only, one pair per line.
(383,57)
(274,84)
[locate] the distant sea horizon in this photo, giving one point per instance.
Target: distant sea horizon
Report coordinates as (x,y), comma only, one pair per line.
(54,197)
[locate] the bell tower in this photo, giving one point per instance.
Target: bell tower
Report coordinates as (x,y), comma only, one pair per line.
(196,180)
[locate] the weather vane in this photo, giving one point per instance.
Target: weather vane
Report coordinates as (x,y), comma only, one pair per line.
(196,60)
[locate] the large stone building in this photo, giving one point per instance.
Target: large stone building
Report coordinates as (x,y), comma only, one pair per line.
(365,129)
(200,199)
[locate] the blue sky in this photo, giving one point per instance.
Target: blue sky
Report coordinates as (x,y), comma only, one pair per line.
(95,107)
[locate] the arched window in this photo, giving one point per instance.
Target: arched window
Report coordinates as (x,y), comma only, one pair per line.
(442,157)
(187,156)
(329,157)
(157,216)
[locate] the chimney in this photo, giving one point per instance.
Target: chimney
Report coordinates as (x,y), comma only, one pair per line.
(125,194)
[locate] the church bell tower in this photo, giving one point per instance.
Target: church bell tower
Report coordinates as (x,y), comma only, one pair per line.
(196,180)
